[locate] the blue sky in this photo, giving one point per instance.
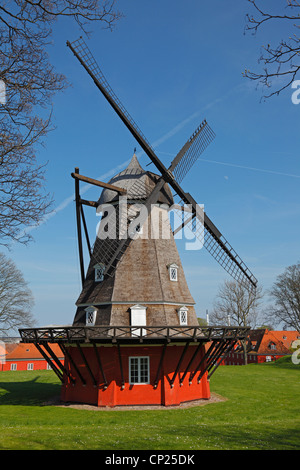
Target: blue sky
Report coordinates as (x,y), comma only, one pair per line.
(172,64)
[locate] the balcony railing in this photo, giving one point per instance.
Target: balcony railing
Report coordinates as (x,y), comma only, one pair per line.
(131,334)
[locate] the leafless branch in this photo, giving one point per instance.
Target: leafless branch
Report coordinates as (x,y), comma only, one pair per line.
(31,82)
(16,300)
(281,62)
(236,301)
(285,293)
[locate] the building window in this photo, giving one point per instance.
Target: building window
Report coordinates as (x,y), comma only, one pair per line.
(139,370)
(48,366)
(183,315)
(173,272)
(272,346)
(30,366)
(99,272)
(13,367)
(90,318)
(138,318)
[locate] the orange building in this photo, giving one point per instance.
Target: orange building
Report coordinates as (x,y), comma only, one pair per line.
(264,346)
(25,356)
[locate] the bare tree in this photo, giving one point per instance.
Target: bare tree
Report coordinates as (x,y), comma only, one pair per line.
(236,305)
(16,300)
(282,61)
(25,111)
(235,301)
(286,296)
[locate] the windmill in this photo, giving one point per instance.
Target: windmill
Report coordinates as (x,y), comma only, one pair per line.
(214,241)
(135,322)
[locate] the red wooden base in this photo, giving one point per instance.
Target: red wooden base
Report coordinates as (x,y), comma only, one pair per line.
(113,387)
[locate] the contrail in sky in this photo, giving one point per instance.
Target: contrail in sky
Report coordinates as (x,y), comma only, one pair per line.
(112,172)
(155,144)
(243,167)
(250,168)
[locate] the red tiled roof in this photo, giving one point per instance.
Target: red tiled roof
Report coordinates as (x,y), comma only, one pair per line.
(281,340)
(25,351)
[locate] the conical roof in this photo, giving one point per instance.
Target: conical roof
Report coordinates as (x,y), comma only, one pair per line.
(138,184)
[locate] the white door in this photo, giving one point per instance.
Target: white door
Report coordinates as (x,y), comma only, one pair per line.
(138,318)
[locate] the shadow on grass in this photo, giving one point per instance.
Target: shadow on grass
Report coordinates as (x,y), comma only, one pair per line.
(29,392)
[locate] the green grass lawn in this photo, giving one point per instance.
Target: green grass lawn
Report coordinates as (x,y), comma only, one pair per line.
(262,411)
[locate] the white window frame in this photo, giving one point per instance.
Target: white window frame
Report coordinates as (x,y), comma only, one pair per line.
(30,366)
(138,318)
(99,272)
(13,366)
(173,272)
(139,361)
(183,315)
(90,318)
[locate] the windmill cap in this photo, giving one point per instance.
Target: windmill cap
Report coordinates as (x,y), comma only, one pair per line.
(138,184)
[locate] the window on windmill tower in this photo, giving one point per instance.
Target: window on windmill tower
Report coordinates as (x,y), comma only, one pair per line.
(183,315)
(138,318)
(99,272)
(90,317)
(173,272)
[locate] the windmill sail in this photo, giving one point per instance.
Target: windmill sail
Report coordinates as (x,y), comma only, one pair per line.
(216,244)
(87,60)
(191,151)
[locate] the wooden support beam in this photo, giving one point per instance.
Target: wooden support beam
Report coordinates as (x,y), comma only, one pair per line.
(212,358)
(160,365)
(86,179)
(58,362)
(78,219)
(85,230)
(190,363)
(121,367)
(205,356)
(89,203)
(86,363)
(223,356)
(47,358)
(179,363)
(216,354)
(70,359)
(100,365)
